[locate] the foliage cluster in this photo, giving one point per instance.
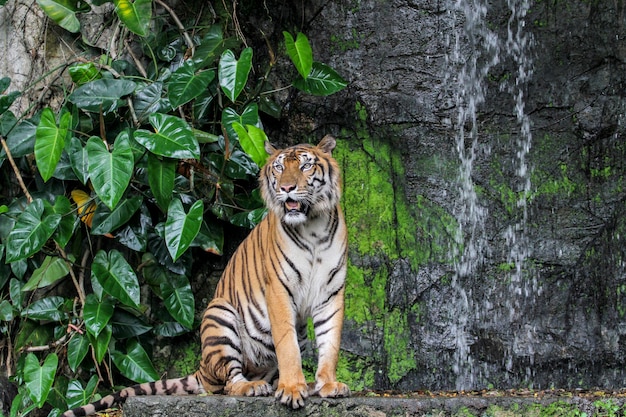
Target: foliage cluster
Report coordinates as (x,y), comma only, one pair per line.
(143,161)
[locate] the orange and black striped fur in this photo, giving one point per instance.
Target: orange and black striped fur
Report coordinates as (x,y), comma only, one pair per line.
(291,267)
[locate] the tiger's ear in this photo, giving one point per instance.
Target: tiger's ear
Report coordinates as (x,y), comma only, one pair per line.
(269,148)
(327,144)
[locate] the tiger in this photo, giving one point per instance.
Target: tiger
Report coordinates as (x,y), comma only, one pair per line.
(291,267)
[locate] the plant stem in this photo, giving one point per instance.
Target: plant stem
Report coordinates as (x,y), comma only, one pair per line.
(16,170)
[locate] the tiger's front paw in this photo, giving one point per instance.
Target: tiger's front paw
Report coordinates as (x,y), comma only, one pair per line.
(249,388)
(333,390)
(292,395)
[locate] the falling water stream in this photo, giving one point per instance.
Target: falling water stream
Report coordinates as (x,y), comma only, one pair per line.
(476,50)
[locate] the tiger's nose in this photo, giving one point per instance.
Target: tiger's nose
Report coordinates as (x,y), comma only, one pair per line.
(288,188)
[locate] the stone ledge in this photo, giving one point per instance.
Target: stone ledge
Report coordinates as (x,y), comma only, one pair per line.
(225,406)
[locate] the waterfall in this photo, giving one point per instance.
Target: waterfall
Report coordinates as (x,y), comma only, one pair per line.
(476,50)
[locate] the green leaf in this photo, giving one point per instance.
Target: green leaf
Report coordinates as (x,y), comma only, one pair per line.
(21,140)
(46,309)
(126,325)
(77,349)
(102,95)
(106,221)
(16,294)
(170,329)
(110,173)
(211,46)
(249,219)
(185,84)
(116,277)
(79,160)
(32,333)
(173,138)
(101,343)
(135,364)
(77,396)
(82,73)
(300,53)
(148,100)
(5,82)
(65,229)
(51,270)
(233,73)
(322,81)
(39,379)
(31,232)
(210,238)
(7,99)
(249,116)
(50,141)
(6,311)
(97,313)
(62,12)
(252,141)
(136,15)
(179,299)
(161,176)
(181,228)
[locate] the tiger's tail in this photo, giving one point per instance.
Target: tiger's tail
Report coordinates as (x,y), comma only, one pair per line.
(188,385)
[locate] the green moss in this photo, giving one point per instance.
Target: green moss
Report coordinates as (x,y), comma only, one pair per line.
(384,227)
(182,358)
(400,355)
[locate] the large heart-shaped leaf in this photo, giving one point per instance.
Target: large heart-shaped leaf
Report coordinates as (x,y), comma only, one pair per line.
(51,270)
(148,100)
(62,12)
(82,73)
(65,229)
(79,160)
(173,138)
(46,309)
(101,343)
(126,325)
(106,221)
(77,396)
(135,364)
(252,141)
(21,140)
(136,15)
(161,176)
(39,379)
(300,53)
(30,232)
(102,95)
(179,300)
(185,84)
(50,141)
(110,173)
(97,313)
(77,349)
(181,228)
(211,46)
(322,81)
(116,277)
(249,116)
(233,73)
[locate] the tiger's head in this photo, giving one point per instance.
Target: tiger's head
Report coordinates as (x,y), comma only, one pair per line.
(301,182)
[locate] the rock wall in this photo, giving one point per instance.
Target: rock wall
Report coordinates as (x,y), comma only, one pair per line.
(544,301)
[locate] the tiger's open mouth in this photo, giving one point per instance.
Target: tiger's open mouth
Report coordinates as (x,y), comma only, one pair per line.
(293,206)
